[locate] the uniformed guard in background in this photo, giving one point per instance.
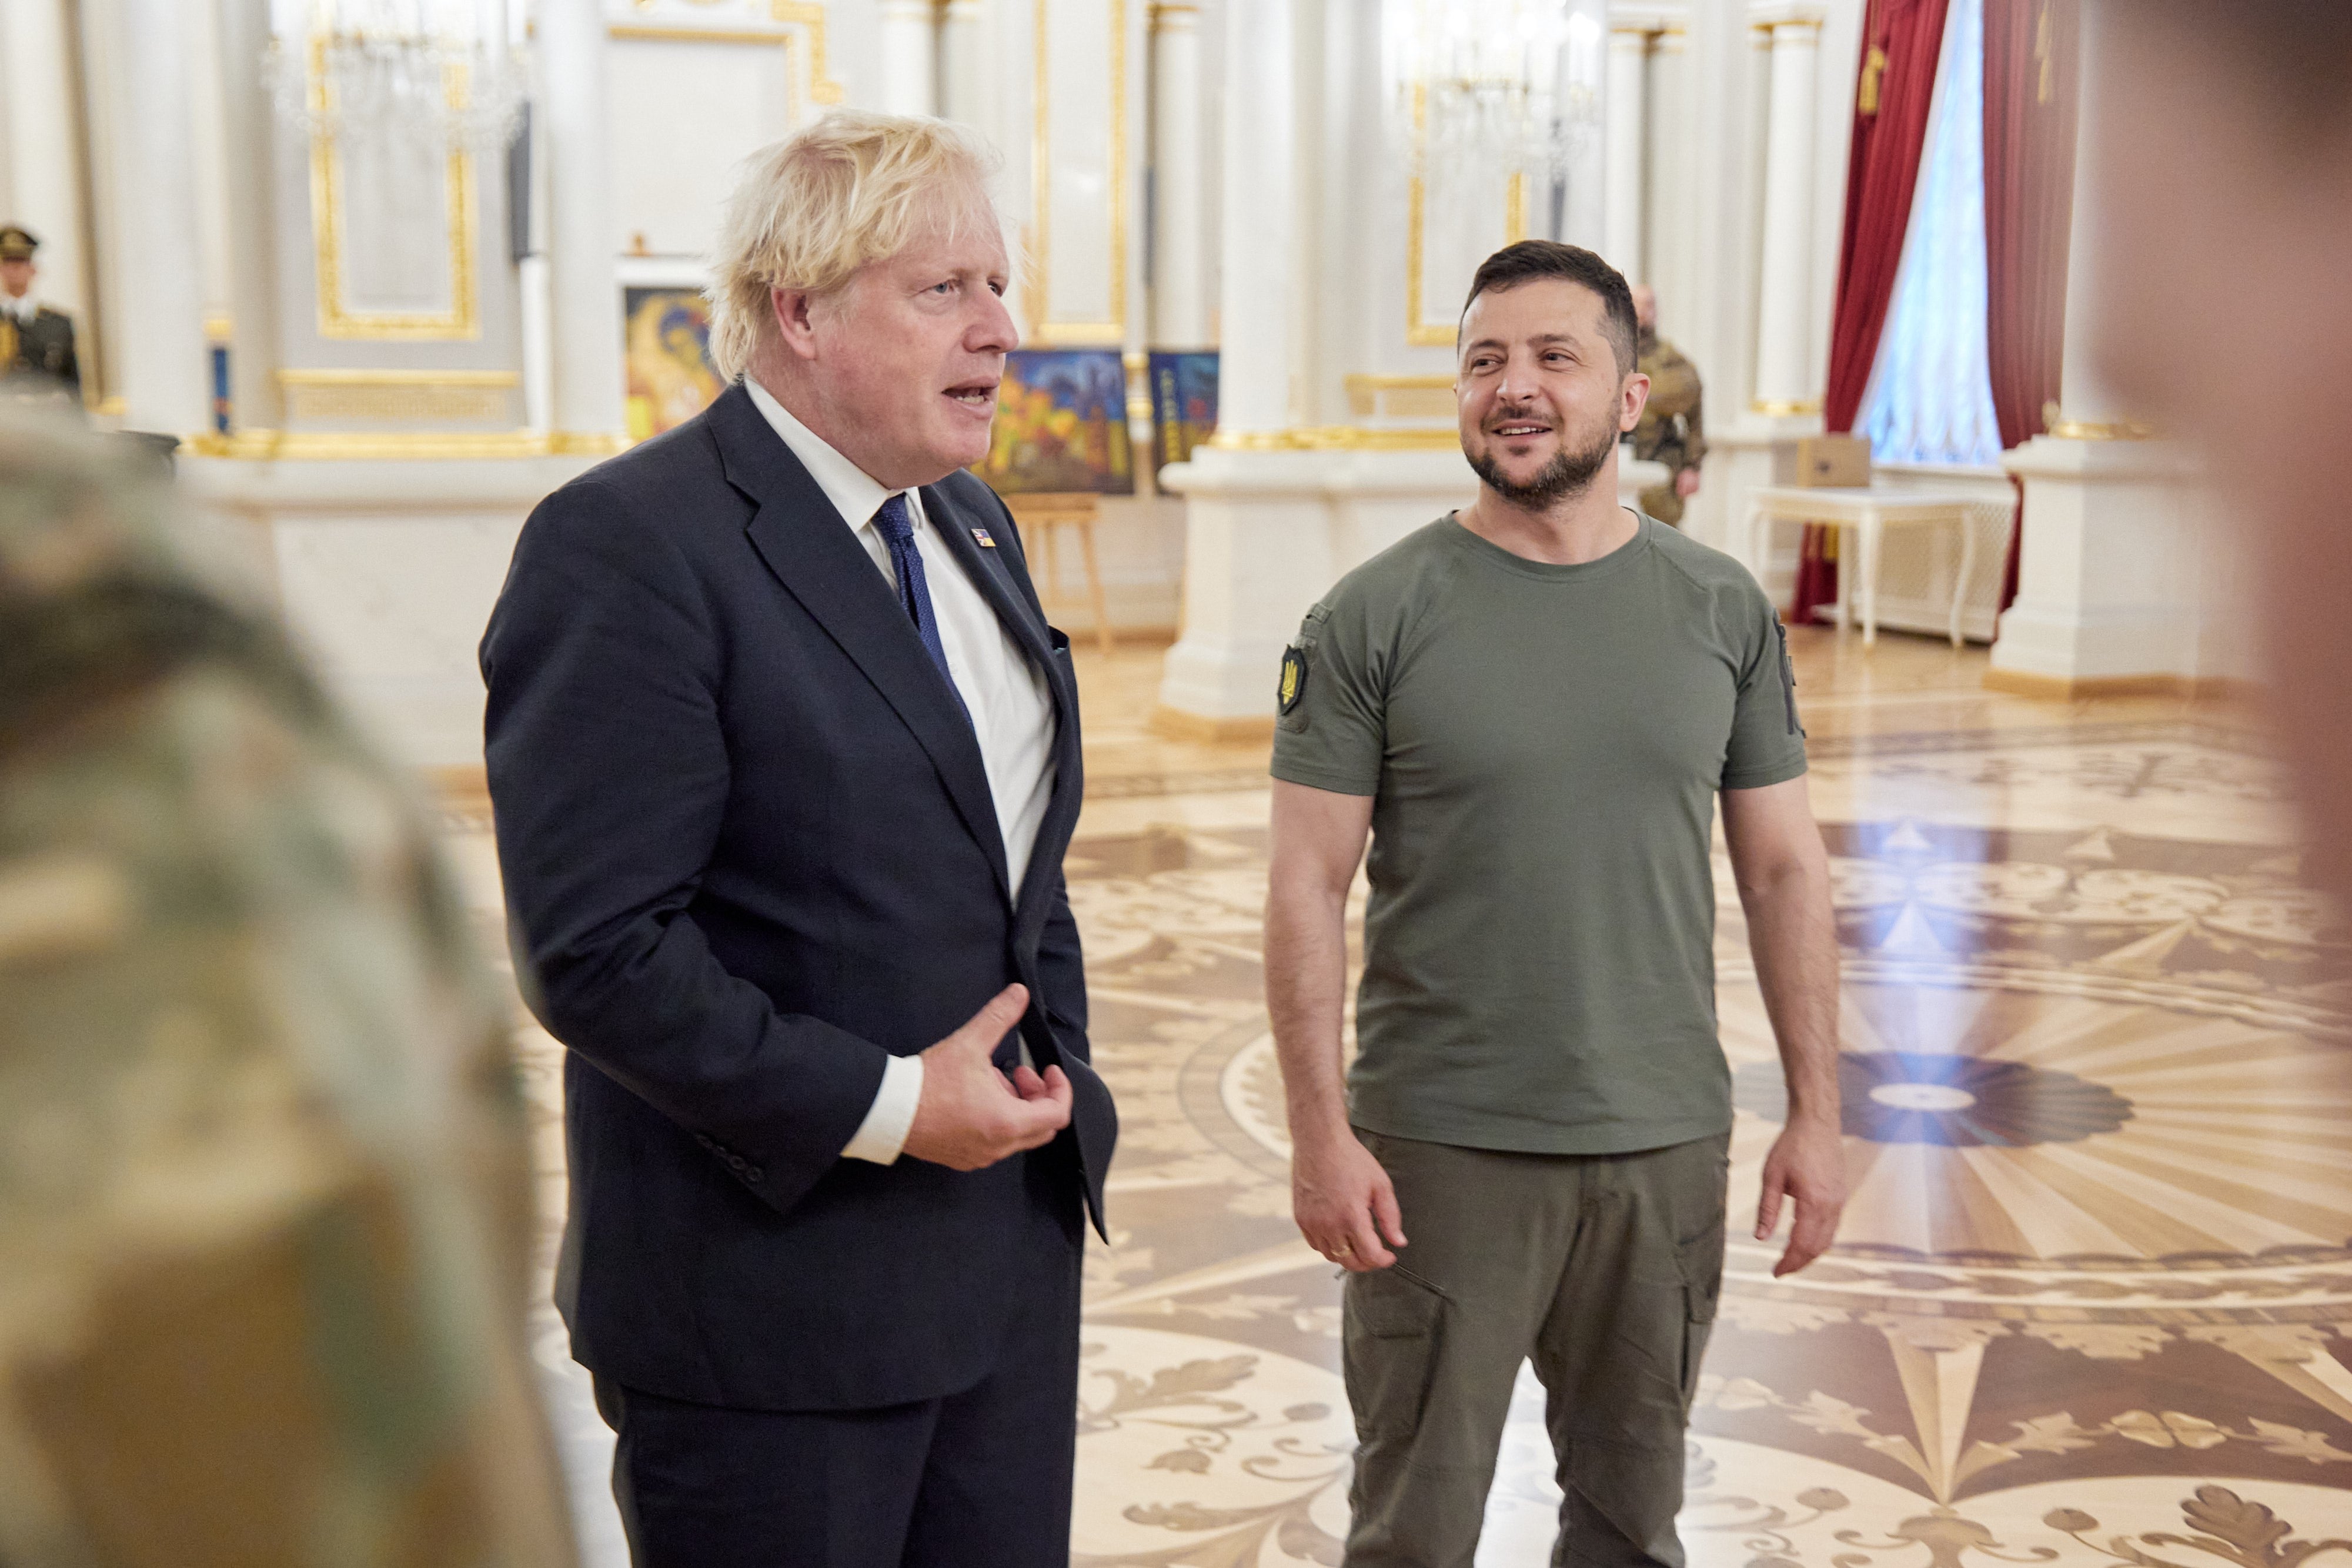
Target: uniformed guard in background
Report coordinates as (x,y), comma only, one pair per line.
(37,343)
(265,1212)
(1671,431)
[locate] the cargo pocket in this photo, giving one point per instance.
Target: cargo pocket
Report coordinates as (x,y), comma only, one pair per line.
(1700,1260)
(1391,1327)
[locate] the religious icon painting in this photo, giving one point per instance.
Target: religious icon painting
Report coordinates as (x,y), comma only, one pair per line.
(1183,404)
(666,354)
(1061,426)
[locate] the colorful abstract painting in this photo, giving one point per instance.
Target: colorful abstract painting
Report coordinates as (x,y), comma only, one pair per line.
(1183,405)
(666,350)
(1061,424)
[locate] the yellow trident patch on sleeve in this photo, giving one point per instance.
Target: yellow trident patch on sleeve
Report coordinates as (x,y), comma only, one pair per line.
(1294,679)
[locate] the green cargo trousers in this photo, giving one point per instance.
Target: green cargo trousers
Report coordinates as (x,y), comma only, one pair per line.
(1605,1270)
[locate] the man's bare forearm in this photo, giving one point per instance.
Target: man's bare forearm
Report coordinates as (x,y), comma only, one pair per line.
(1306,994)
(1793,936)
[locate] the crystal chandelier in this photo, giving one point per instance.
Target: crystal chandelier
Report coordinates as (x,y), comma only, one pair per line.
(1510,82)
(441,72)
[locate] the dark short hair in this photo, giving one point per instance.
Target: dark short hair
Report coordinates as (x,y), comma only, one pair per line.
(1531,259)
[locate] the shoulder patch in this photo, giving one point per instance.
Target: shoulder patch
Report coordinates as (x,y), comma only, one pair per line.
(1293,680)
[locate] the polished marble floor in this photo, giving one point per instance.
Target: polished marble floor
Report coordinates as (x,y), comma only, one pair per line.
(2092,1301)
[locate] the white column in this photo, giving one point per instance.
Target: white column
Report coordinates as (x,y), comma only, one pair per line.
(2115,583)
(1629,59)
(584,297)
(1666,233)
(255,347)
(159,257)
(1784,325)
(909,56)
(1255,377)
(1180,299)
(1257,549)
(964,73)
(43,137)
(2082,397)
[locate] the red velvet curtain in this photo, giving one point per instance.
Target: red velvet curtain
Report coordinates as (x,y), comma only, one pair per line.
(2029,53)
(1901,41)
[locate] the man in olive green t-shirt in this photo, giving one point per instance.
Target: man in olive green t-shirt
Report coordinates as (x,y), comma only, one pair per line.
(1531,708)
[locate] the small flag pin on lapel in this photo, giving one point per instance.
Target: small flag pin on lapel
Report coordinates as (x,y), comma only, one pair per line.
(985,542)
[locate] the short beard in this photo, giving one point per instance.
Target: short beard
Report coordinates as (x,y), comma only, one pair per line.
(1569,474)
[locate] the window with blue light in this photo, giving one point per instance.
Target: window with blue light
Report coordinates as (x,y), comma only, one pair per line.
(1930,395)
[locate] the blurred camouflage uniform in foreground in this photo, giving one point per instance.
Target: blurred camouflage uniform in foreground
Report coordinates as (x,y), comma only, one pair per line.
(264,1213)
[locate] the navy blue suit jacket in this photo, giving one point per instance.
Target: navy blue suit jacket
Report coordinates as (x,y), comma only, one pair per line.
(749,849)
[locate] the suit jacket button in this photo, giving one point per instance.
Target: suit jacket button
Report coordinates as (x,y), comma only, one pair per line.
(755,1174)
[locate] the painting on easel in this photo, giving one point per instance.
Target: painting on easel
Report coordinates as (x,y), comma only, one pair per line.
(1061,426)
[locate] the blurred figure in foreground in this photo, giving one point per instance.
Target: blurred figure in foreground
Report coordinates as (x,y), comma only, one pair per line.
(1673,430)
(2223,160)
(264,1212)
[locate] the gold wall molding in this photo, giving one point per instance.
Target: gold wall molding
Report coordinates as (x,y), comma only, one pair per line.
(1400,397)
(1338,438)
(810,13)
(413,395)
(336,319)
(1165,8)
(2054,421)
(399,445)
(1775,408)
(1420,333)
(806,14)
(1044,331)
(628,32)
(2080,688)
(655,32)
(1178,725)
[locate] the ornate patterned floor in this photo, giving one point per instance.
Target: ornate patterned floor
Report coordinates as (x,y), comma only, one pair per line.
(2092,1303)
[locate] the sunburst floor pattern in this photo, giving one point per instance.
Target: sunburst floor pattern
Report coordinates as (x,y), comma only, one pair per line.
(2090,1304)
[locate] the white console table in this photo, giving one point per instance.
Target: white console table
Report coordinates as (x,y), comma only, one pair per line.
(1865,513)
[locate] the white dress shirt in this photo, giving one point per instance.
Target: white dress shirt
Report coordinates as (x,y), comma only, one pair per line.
(1012,708)
(22,307)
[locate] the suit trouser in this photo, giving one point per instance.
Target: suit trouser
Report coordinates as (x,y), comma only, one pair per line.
(1605,1270)
(982,1476)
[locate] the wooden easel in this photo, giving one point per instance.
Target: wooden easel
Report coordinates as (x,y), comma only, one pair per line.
(1042,519)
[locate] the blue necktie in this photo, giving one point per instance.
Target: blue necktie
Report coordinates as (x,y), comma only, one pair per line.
(898,531)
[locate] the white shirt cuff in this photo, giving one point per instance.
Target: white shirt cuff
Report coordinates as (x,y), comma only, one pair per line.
(883,1134)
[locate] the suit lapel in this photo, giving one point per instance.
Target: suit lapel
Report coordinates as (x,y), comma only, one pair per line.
(810,549)
(993,572)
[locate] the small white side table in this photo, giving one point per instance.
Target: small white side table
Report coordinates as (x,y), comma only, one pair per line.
(1866,512)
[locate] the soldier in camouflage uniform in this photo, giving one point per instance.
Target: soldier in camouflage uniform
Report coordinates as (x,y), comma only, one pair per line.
(265,1219)
(1671,431)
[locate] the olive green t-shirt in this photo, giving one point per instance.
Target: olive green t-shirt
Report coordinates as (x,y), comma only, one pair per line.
(1543,745)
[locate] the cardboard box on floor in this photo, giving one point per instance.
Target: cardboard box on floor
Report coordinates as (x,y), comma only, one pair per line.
(1823,462)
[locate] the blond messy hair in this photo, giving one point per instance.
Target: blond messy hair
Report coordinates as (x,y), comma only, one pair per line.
(810,210)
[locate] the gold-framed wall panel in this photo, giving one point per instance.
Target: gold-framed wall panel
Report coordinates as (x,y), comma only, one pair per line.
(463,320)
(1420,333)
(807,15)
(1045,330)
(795,105)
(824,91)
